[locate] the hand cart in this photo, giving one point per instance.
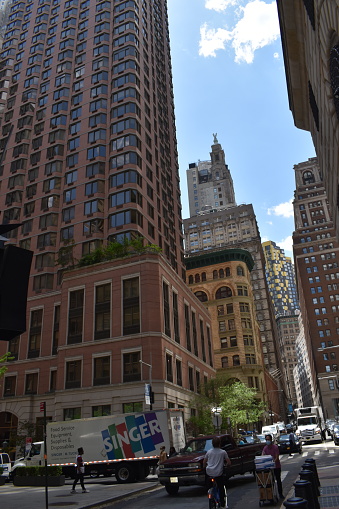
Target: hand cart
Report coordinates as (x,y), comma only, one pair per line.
(268,490)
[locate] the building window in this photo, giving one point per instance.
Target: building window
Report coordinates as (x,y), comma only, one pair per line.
(187,328)
(56,326)
(166,304)
(236,360)
(13,347)
(202,339)
(194,334)
(135,406)
(175,317)
(201,296)
(131,367)
(223,293)
(75,316)
(169,368)
(179,372)
(102,328)
(331,385)
(72,413)
(101,410)
(131,306)
(102,371)
(224,362)
(35,330)
(250,359)
(190,378)
(52,380)
(9,386)
(73,374)
(242,290)
(31,385)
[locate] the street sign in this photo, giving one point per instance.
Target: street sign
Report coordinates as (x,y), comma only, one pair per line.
(42,406)
(148,390)
(217,420)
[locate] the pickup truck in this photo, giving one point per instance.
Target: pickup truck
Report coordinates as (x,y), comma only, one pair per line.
(186,468)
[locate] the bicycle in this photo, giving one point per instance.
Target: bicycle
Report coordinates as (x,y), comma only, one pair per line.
(214,496)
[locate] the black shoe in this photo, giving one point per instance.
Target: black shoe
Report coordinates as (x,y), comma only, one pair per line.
(281,495)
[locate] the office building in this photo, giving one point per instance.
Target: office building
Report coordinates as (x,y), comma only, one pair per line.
(310,35)
(281,279)
(88,156)
(316,256)
(209,183)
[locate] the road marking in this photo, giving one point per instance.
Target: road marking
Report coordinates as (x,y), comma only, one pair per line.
(304,454)
(316,453)
(331,451)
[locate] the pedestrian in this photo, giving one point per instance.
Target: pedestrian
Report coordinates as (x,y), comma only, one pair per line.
(273,450)
(214,462)
(80,470)
(172,452)
(163,454)
(292,442)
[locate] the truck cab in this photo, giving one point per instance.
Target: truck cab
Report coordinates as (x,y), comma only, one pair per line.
(309,426)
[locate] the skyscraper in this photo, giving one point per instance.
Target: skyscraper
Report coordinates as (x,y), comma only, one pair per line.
(210,183)
(281,279)
(223,224)
(88,155)
(88,151)
(317,270)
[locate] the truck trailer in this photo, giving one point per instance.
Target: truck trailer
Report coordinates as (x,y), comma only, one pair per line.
(125,445)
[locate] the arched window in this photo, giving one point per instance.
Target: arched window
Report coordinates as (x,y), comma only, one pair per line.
(224,362)
(203,276)
(240,271)
(236,360)
(308,177)
(221,273)
(215,274)
(227,272)
(190,280)
(202,296)
(223,292)
(197,278)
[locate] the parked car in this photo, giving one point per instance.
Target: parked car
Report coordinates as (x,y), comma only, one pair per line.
(261,438)
(5,463)
(251,439)
(335,434)
(285,446)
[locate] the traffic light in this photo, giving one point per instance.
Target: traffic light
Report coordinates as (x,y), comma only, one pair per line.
(15,266)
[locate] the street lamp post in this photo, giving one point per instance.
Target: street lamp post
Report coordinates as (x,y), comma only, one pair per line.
(150,383)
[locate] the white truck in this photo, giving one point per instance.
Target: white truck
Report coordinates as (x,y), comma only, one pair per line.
(125,445)
(309,424)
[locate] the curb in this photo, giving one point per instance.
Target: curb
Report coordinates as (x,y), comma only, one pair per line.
(105,503)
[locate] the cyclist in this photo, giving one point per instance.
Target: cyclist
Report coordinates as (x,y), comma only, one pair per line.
(214,462)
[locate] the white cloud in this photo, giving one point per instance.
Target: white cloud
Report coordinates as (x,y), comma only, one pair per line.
(212,40)
(286,244)
(220,5)
(257,28)
(283,209)
(276,55)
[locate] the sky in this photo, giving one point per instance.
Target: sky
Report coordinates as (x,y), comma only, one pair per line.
(229,79)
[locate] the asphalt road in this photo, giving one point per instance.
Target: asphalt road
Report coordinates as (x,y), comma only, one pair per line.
(106,492)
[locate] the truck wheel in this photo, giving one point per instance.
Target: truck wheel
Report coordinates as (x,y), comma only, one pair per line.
(124,474)
(94,473)
(172,489)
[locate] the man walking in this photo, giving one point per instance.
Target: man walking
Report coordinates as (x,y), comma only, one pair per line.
(214,462)
(80,470)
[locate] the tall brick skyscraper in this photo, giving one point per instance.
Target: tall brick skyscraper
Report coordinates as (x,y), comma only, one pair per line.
(88,155)
(88,149)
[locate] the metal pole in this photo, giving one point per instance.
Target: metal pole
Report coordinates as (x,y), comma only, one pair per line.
(45,456)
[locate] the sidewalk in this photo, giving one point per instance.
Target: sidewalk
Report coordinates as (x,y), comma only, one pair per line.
(329,488)
(14,497)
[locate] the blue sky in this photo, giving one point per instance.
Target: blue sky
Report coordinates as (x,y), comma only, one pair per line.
(229,79)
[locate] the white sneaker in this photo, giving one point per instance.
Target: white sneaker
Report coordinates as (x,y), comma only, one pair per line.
(85,491)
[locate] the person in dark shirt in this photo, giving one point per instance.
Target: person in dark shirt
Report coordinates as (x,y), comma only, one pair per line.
(80,470)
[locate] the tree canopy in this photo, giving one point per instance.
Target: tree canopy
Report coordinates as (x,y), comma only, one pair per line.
(239,405)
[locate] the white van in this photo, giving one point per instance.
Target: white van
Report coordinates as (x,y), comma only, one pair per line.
(5,463)
(271,429)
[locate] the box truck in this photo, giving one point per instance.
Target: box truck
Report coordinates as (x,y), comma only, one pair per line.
(309,424)
(125,445)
